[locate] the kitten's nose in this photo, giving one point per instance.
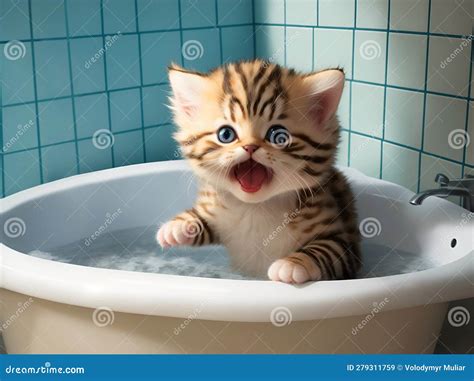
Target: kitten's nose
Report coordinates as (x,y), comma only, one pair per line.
(251,148)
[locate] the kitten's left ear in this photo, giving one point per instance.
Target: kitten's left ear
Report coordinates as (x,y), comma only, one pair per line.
(187,89)
(325,93)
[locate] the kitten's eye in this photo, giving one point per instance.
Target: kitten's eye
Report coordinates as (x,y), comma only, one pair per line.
(226,134)
(278,136)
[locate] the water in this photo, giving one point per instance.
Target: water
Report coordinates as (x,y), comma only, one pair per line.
(136,250)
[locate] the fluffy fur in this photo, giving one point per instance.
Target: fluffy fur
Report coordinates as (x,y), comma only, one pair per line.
(278,205)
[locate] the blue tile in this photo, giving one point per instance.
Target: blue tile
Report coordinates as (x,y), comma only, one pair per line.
(91,114)
(52,69)
(270,42)
(56,122)
(123,64)
(87,63)
(333,48)
(22,171)
(125,110)
(119,16)
(201,50)
(158,14)
(298,53)
(17,72)
(231,12)
(369,56)
(2,194)
(93,159)
(237,43)
(19,128)
(14,20)
(158,51)
(198,13)
(364,98)
(269,11)
(302,12)
(48,18)
(155,101)
(160,145)
(336,13)
(365,155)
(59,161)
(84,17)
(400,166)
(128,148)
(372,14)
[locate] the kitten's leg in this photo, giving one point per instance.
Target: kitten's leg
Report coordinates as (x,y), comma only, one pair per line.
(187,228)
(318,260)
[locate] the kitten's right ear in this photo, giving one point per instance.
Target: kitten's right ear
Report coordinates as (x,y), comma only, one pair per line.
(187,89)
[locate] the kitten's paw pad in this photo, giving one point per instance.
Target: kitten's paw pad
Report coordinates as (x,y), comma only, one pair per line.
(287,271)
(177,232)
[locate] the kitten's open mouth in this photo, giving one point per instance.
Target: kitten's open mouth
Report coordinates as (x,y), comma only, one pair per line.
(251,175)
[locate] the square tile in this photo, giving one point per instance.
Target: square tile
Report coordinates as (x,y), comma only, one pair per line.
(406,60)
(59,161)
(237,43)
(343,111)
(84,17)
(52,69)
(119,16)
(87,64)
(158,14)
(452,17)
(17,72)
(365,155)
(160,145)
(431,166)
(123,62)
(269,11)
(55,121)
(333,48)
(195,14)
(404,117)
(302,12)
(91,114)
(14,20)
(448,65)
(48,18)
(270,41)
(343,149)
(470,131)
(336,13)
(409,15)
(367,109)
(19,128)
(158,51)
(201,49)
(231,12)
(22,171)
(445,121)
(370,54)
(400,166)
(125,110)
(372,14)
(93,159)
(155,105)
(128,148)
(298,54)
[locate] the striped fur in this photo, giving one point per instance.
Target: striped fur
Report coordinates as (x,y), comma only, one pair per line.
(320,239)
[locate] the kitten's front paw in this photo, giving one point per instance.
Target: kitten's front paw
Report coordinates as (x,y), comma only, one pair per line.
(293,269)
(176,232)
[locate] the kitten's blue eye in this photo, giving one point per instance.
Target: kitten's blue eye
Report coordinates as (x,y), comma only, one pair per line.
(226,134)
(278,136)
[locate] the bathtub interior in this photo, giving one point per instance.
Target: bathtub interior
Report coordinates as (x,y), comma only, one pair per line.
(122,213)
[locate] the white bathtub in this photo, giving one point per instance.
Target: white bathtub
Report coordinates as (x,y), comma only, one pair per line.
(54,307)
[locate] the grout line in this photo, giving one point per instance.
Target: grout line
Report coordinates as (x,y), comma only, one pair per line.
(350,86)
(221,49)
(285,32)
(468,106)
(181,41)
(254,31)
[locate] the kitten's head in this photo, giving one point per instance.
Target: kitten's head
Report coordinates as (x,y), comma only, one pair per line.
(257,129)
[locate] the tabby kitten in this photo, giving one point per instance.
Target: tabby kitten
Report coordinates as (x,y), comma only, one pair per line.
(262,139)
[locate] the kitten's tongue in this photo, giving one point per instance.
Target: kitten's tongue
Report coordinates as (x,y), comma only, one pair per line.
(251,175)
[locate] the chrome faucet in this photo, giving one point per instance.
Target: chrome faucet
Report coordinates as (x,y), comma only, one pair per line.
(458,187)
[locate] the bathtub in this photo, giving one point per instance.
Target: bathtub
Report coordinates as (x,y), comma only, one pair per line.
(54,307)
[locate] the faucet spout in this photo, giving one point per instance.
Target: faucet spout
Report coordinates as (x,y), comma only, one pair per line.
(443,192)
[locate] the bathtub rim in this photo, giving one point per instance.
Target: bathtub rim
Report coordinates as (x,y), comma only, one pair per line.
(226,300)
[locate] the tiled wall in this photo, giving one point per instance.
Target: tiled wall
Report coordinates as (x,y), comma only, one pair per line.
(407,106)
(84,81)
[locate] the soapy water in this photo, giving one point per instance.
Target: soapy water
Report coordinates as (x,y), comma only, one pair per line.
(136,250)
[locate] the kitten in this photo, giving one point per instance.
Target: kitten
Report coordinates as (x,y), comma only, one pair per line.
(262,139)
